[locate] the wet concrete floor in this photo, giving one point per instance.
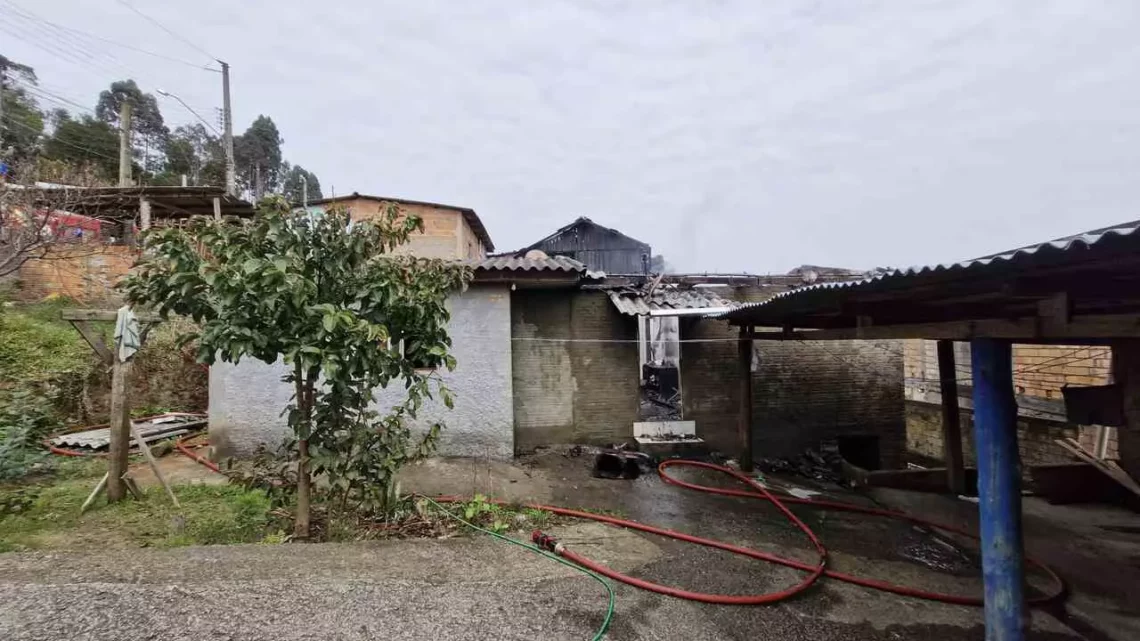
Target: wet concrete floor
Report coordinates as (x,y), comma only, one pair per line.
(879,548)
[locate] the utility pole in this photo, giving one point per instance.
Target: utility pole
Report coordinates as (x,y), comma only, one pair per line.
(125,144)
(304,192)
(228,130)
(1,113)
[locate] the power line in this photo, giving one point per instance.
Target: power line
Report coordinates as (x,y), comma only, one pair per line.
(30,16)
(39,92)
(59,140)
(49,40)
(163,27)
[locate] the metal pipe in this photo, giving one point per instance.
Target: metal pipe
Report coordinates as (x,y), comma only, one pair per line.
(999,488)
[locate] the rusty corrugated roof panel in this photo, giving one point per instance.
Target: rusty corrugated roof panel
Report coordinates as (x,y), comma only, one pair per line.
(548,263)
(635,301)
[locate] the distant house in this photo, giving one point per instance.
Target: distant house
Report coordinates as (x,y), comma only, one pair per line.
(599,248)
(449,231)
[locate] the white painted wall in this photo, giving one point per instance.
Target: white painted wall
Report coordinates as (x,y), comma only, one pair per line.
(246,400)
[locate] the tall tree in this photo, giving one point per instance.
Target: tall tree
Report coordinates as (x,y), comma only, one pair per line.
(331,301)
(191,150)
(23,124)
(257,156)
(85,142)
(147,125)
(294,188)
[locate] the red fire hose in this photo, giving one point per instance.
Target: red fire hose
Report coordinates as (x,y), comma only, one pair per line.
(758,491)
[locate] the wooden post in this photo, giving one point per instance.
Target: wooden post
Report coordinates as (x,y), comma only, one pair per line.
(120,428)
(144,214)
(1126,374)
(744,425)
(217,208)
(951,419)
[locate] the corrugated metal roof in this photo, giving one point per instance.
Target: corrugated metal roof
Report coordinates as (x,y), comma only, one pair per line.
(154,428)
(1049,250)
(634,301)
(548,263)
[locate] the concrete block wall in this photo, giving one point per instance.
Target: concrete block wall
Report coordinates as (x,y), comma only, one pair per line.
(246,400)
(804,392)
(567,391)
(710,381)
(1040,372)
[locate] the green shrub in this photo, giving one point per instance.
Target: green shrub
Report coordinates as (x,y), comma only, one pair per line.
(25,420)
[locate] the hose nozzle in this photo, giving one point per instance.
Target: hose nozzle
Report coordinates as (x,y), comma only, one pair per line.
(546,542)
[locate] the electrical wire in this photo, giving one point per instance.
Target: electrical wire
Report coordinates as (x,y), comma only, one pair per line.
(59,44)
(601,633)
(83,34)
(168,31)
(59,140)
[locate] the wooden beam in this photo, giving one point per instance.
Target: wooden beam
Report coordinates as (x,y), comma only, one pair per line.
(744,419)
(1108,468)
(951,419)
(217,209)
(93,339)
(173,208)
(1025,330)
(104,315)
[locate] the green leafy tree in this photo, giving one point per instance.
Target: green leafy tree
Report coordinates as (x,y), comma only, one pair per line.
(147,125)
(85,143)
(191,150)
(23,124)
(294,188)
(330,299)
(257,157)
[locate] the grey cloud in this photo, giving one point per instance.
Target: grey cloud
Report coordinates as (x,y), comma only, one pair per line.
(731,135)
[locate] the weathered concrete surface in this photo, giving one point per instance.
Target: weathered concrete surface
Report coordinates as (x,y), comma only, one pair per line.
(1094,548)
(246,400)
(478,588)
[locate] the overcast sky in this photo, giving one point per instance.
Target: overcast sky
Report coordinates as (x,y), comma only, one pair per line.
(744,136)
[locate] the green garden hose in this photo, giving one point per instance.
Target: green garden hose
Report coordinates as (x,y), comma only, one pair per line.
(533,548)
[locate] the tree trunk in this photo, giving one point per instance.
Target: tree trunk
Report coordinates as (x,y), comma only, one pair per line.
(304,392)
(304,491)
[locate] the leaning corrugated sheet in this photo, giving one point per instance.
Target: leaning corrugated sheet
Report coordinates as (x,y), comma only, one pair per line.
(985,265)
(635,302)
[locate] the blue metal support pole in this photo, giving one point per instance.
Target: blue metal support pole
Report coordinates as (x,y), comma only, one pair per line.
(999,487)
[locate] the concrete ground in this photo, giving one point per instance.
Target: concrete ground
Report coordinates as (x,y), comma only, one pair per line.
(479,588)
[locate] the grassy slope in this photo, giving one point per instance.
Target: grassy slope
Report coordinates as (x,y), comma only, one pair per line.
(46,514)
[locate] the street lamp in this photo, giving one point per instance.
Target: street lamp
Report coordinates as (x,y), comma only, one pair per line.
(163,92)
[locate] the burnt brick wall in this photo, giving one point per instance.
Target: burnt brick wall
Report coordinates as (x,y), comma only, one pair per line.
(804,392)
(567,391)
(710,382)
